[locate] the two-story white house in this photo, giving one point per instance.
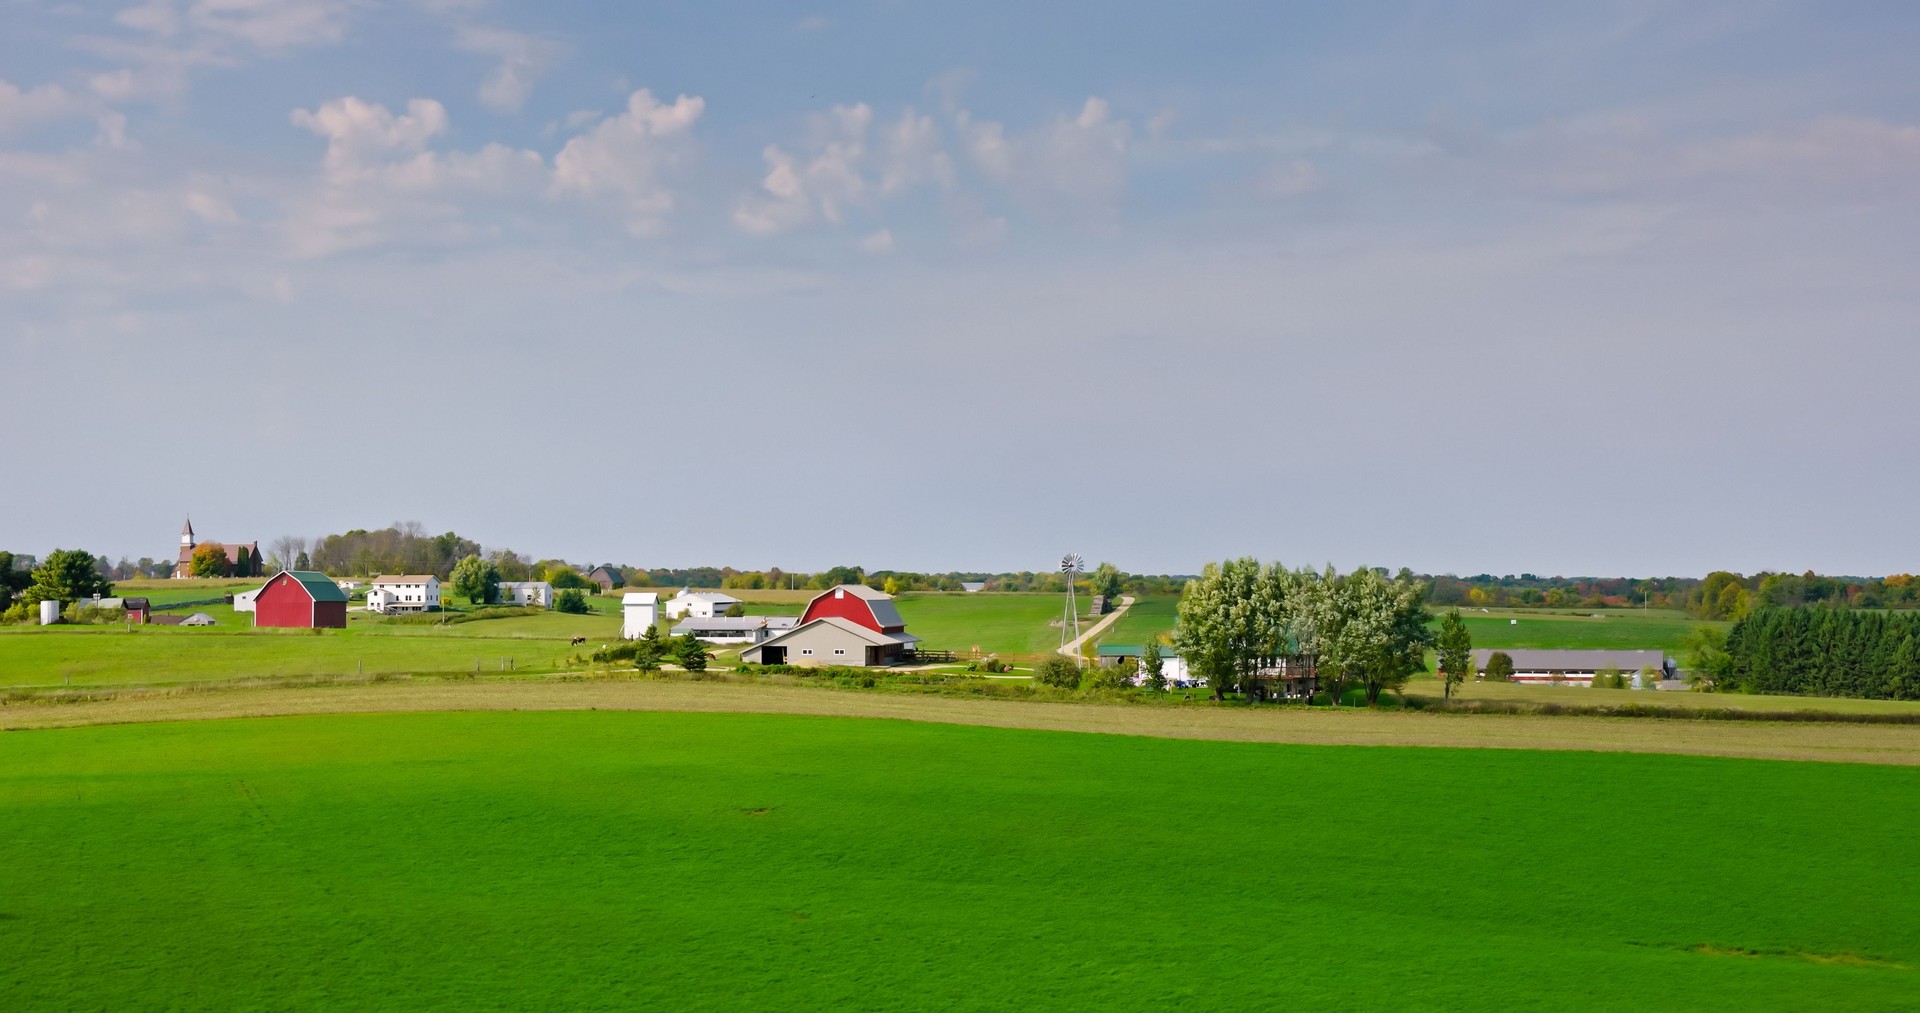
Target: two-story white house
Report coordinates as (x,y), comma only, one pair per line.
(406,592)
(699,604)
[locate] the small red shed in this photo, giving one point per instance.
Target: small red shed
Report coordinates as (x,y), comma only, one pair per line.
(301,598)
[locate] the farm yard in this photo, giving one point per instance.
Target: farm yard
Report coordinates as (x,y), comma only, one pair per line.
(754,861)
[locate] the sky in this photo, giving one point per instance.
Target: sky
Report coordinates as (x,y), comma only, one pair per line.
(1608,289)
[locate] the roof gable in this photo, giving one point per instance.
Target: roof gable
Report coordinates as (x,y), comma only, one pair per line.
(317,585)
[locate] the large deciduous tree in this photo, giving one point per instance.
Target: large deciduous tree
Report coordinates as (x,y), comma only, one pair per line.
(66,575)
(1455,647)
(210,560)
(476,580)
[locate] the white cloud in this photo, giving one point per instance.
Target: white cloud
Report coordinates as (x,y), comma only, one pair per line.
(623,158)
(163,43)
(1078,164)
(878,242)
(381,181)
(524,59)
(23,110)
(844,168)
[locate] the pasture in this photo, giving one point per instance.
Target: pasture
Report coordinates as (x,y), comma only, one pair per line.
(595,859)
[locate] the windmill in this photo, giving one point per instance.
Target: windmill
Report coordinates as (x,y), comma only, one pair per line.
(1071,564)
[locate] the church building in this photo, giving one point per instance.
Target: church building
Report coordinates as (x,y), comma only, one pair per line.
(243,558)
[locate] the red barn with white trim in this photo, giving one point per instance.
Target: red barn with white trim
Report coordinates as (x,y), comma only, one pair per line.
(301,599)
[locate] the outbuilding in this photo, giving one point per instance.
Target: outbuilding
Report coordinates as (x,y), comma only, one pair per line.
(301,599)
(1577,668)
(534,593)
(848,625)
(700,604)
(606,578)
(639,610)
(243,602)
(738,630)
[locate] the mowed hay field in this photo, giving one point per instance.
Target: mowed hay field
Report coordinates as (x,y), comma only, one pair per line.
(698,861)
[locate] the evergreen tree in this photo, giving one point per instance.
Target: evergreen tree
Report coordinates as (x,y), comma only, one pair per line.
(67,575)
(690,653)
(648,650)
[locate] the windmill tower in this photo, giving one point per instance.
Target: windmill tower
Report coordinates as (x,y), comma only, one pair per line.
(1071,564)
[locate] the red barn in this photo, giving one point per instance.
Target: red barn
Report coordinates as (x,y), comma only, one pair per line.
(848,625)
(856,603)
(301,598)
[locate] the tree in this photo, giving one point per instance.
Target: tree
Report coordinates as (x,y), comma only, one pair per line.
(565,577)
(476,580)
(13,578)
(735,610)
(648,650)
(210,560)
(1154,665)
(1106,581)
(892,586)
(572,601)
(1372,631)
(690,653)
(67,575)
(1499,667)
(1648,678)
(1708,663)
(302,561)
(1609,677)
(1456,652)
(1058,671)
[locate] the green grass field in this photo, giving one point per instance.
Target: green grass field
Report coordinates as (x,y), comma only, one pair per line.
(1010,625)
(1149,616)
(682,861)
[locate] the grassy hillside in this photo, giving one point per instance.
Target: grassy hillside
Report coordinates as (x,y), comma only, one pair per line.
(1011,625)
(678,861)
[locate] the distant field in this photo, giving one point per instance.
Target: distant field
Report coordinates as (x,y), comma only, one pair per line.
(694,861)
(1149,616)
(1007,624)
(164,592)
(1655,629)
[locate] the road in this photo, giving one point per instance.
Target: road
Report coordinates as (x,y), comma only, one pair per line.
(1072,650)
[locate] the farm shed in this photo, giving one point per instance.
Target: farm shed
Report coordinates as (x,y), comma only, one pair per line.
(303,599)
(740,630)
(606,578)
(1132,656)
(526,592)
(638,610)
(243,602)
(1575,667)
(848,625)
(699,604)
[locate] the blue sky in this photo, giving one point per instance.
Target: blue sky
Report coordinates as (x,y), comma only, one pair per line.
(1611,289)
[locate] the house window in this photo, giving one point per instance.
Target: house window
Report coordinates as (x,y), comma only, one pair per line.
(806,650)
(839,650)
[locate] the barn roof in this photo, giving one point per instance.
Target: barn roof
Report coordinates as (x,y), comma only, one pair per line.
(320,587)
(717,597)
(640,598)
(846,626)
(879,603)
(404,578)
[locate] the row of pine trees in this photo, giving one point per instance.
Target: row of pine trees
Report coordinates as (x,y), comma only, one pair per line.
(1826,652)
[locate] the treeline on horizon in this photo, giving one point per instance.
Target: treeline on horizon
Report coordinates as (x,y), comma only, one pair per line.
(406,547)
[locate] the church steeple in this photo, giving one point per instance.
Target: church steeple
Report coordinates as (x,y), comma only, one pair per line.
(186,534)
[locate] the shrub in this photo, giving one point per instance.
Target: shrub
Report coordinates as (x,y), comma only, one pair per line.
(1609,678)
(1499,667)
(571,601)
(1058,671)
(1105,677)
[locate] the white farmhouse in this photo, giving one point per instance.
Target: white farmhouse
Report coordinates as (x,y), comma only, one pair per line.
(407,592)
(699,604)
(639,610)
(537,593)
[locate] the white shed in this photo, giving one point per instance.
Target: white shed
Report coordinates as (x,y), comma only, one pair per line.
(700,604)
(526,592)
(639,610)
(243,602)
(49,612)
